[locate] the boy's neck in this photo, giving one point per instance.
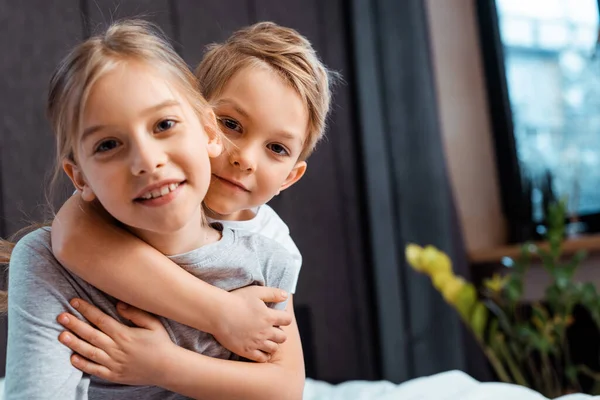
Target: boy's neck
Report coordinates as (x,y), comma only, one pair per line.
(193,235)
(242,215)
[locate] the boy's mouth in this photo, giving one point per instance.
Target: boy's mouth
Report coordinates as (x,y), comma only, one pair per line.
(232,183)
(159,190)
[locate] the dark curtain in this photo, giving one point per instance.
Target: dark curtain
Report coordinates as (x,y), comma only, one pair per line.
(408,191)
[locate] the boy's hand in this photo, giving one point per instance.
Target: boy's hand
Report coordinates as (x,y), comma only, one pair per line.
(248,327)
(113,351)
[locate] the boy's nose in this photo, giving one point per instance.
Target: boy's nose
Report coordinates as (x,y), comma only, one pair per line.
(244,160)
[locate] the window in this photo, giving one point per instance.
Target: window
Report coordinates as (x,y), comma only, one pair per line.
(551,72)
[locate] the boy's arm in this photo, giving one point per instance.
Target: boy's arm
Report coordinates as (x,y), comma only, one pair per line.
(87,242)
(202,377)
(122,265)
(118,353)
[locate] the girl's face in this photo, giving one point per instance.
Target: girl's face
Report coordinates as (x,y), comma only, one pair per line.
(266,123)
(143,152)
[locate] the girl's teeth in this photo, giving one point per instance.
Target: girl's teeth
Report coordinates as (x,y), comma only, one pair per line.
(160,191)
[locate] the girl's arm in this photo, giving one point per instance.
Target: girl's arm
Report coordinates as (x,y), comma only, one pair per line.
(88,242)
(119,353)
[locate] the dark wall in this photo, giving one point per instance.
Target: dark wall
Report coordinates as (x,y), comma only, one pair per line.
(324,210)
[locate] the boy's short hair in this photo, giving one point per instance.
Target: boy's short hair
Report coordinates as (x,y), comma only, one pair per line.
(286,52)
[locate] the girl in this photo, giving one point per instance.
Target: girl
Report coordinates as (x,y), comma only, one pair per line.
(271,96)
(135,138)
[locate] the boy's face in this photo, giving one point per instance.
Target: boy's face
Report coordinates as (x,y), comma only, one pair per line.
(266,123)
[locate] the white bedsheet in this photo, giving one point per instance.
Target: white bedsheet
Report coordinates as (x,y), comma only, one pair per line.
(451,385)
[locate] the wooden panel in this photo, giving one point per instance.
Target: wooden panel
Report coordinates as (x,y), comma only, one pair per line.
(35,36)
(102,12)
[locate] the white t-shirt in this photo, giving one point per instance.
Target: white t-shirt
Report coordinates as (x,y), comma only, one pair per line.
(267,223)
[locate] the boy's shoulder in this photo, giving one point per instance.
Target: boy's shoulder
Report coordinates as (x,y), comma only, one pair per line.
(259,243)
(278,267)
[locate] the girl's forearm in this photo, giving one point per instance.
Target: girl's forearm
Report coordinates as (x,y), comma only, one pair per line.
(87,243)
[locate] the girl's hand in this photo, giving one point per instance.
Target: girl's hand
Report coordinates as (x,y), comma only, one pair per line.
(249,328)
(113,351)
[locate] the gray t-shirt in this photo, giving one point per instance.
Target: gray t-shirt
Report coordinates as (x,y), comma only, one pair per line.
(38,366)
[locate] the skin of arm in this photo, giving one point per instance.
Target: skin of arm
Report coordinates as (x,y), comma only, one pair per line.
(119,354)
(130,268)
(201,377)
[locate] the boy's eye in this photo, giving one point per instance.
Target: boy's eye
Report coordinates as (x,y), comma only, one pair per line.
(106,145)
(165,125)
(231,124)
(278,149)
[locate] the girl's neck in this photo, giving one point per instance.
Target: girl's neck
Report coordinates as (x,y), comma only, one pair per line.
(195,234)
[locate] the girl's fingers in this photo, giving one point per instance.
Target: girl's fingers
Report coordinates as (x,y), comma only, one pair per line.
(91,368)
(84,349)
(104,322)
(85,331)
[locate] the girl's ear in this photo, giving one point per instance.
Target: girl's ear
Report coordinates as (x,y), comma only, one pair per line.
(215,142)
(76,176)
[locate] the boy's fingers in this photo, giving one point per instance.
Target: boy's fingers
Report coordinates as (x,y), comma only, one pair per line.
(85,331)
(93,314)
(272,295)
(259,356)
(281,318)
(83,348)
(138,317)
(277,335)
(269,347)
(91,368)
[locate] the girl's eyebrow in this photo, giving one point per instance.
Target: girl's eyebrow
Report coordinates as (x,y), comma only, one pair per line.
(165,104)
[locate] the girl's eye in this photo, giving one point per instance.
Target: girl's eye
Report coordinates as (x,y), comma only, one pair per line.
(231,124)
(106,145)
(165,125)
(278,149)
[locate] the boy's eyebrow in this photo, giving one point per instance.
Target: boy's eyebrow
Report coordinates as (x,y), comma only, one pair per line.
(235,106)
(149,110)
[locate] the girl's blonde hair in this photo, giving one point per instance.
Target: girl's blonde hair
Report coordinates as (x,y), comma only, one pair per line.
(286,52)
(123,41)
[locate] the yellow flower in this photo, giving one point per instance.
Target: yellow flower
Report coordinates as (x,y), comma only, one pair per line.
(429,257)
(441,264)
(413,256)
(452,288)
(497,283)
(466,300)
(479,319)
(440,280)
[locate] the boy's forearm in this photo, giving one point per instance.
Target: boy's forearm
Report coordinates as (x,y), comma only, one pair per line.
(120,264)
(202,377)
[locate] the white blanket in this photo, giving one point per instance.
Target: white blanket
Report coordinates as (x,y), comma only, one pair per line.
(451,385)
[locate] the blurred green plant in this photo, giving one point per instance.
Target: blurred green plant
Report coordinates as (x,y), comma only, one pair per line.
(524,345)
